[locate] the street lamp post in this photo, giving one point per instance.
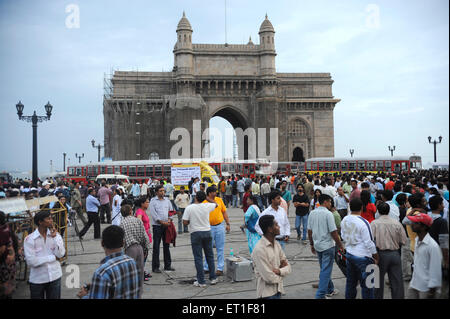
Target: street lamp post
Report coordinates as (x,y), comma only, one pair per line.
(64,163)
(391,150)
(99,147)
(79,157)
(34,119)
(351,152)
(435,142)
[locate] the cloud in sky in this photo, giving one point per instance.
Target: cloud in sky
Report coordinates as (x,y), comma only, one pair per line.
(392,79)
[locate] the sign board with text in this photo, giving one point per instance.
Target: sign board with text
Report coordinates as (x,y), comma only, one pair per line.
(181,175)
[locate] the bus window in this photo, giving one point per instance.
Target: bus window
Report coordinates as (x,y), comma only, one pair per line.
(314,166)
(361,165)
(90,171)
(328,166)
(380,166)
(246,169)
(231,168)
(125,170)
(252,169)
(71,171)
(404,166)
(95,172)
(109,170)
(388,166)
(149,170)
(216,167)
(308,166)
(131,171)
(79,171)
(351,166)
(344,166)
(320,166)
(370,165)
(141,171)
(336,166)
(167,170)
(102,169)
(158,171)
(117,170)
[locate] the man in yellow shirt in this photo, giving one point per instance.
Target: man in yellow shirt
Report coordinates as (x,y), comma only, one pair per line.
(216,219)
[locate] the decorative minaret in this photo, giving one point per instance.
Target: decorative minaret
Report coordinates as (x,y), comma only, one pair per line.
(184,59)
(267,48)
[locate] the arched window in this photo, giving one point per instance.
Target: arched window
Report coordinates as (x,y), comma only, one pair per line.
(298,127)
(189,38)
(154,156)
(179,38)
(272,40)
(185,38)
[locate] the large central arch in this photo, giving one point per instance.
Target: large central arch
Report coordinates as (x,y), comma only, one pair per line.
(236,119)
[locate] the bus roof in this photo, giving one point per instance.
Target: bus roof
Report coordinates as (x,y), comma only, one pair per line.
(367,158)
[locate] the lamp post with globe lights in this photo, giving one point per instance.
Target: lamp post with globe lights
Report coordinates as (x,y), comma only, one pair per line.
(434,142)
(99,147)
(34,119)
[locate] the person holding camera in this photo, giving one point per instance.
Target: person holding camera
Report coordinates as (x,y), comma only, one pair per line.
(42,249)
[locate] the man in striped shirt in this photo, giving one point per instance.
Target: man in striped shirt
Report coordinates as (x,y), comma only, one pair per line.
(118,275)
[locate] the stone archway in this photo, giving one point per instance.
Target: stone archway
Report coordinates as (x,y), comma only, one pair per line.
(237,120)
(297,155)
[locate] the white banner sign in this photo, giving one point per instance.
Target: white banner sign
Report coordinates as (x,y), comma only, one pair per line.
(13,205)
(183,175)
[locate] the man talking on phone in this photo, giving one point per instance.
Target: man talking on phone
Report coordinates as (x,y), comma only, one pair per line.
(42,249)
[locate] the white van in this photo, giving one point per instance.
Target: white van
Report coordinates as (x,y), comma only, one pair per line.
(112,179)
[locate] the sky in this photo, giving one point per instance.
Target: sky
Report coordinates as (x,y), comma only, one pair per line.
(389,61)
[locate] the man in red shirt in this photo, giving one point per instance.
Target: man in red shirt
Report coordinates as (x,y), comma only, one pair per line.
(390,185)
(355,191)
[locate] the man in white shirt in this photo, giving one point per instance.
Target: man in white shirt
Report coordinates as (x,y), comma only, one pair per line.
(280,216)
(197,217)
(42,248)
(195,188)
(427,275)
(144,189)
(181,202)
(341,203)
(360,251)
(329,189)
(394,212)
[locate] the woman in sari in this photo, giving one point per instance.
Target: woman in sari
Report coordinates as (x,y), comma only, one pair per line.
(251,217)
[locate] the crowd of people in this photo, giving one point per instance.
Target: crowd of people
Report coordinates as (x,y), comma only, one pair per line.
(398,222)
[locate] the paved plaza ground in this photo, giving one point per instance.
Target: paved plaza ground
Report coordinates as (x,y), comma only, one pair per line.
(178,284)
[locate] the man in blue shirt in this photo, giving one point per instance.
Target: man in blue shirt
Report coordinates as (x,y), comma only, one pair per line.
(135,189)
(322,234)
(159,212)
(118,276)
(92,205)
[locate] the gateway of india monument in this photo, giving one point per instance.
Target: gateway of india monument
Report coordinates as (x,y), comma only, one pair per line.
(236,82)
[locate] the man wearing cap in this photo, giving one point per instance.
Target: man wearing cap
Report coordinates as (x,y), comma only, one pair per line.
(42,248)
(44,191)
(427,275)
